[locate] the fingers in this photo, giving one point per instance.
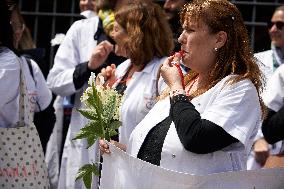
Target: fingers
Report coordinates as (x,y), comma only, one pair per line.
(113,66)
(109,70)
(99,54)
(107,46)
(104,148)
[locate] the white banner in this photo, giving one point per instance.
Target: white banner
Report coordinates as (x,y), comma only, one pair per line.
(122,171)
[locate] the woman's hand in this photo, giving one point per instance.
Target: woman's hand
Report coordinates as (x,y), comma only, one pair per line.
(171,74)
(100,54)
(104,148)
(109,74)
(261,151)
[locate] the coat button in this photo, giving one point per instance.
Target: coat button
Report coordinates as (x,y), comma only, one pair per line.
(173,155)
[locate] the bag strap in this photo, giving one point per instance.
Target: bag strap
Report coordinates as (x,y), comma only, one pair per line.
(32,74)
(24,106)
(30,67)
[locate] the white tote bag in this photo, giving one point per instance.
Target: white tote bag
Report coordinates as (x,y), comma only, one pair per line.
(22,164)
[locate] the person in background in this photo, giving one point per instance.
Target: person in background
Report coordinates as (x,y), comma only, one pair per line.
(272,127)
(205,122)
(269,61)
(27,50)
(9,71)
(38,93)
(87,8)
(136,78)
(68,78)
(172,9)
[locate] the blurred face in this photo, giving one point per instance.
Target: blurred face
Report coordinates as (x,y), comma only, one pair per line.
(198,44)
(276,29)
(172,7)
(18,28)
(119,35)
(87,5)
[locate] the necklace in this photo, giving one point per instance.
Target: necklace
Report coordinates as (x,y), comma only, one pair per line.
(191,85)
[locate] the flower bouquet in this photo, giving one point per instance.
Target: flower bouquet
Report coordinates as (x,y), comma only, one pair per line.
(102,109)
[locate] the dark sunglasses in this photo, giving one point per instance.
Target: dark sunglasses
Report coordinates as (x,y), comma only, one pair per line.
(279,24)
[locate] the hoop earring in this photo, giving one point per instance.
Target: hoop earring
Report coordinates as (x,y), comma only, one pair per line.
(215,49)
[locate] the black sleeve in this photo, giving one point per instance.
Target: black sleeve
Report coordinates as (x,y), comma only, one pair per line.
(197,135)
(273,126)
(82,74)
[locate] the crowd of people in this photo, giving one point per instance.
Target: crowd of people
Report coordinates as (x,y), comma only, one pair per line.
(226,106)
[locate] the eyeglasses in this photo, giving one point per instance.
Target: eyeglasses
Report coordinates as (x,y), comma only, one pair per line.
(279,24)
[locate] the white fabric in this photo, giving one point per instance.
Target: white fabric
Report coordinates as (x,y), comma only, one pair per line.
(122,171)
(265,62)
(227,105)
(88,13)
(9,83)
(139,96)
(274,95)
(75,49)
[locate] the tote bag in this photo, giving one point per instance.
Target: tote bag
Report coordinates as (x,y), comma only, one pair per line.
(22,164)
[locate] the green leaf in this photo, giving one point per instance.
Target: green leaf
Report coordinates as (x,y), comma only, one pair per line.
(86,172)
(112,132)
(85,132)
(97,100)
(98,107)
(92,131)
(87,179)
(115,124)
(88,113)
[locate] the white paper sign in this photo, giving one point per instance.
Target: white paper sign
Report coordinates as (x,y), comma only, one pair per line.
(122,171)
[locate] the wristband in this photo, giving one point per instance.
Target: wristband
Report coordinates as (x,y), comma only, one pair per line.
(176,92)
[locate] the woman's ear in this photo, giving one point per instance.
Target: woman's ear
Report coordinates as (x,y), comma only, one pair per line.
(221,38)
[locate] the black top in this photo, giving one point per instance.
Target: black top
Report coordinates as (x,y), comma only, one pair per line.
(197,135)
(273,126)
(151,149)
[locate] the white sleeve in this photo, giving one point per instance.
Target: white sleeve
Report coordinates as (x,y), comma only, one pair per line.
(60,77)
(273,96)
(9,78)
(237,110)
(44,95)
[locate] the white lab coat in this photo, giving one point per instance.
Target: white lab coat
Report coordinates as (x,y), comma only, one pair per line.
(9,82)
(274,96)
(75,49)
(225,105)
(139,96)
(265,62)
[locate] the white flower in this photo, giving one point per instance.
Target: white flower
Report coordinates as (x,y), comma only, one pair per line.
(58,39)
(92,78)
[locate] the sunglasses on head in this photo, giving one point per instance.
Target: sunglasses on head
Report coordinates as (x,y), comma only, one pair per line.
(279,24)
